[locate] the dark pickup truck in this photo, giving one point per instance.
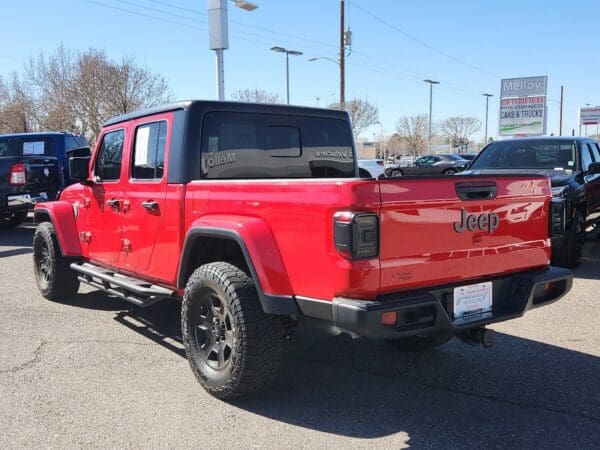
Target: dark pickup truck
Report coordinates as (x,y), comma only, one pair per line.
(573,165)
(32,169)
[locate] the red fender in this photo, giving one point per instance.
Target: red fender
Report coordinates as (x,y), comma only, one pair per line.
(258,244)
(61,215)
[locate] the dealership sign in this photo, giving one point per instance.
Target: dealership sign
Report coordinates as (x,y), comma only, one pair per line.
(523,116)
(589,116)
(524,87)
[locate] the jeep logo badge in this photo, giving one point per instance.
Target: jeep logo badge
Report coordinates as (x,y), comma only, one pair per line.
(485,222)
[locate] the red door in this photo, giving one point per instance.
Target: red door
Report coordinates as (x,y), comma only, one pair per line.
(104,198)
(146,192)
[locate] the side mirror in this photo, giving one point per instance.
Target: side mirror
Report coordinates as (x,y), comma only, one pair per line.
(594,168)
(79,168)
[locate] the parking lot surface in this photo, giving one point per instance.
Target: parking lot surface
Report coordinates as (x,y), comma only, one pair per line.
(99,372)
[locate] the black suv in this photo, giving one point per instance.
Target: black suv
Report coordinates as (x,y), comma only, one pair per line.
(573,165)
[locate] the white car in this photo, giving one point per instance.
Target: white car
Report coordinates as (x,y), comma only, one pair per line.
(370,168)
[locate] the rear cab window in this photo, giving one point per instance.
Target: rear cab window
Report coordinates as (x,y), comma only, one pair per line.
(256,146)
(31,146)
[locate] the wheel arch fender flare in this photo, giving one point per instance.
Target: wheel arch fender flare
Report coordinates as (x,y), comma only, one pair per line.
(62,217)
(260,253)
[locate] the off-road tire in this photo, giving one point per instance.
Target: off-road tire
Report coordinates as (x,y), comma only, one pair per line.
(53,276)
(420,343)
(570,254)
(12,220)
(255,340)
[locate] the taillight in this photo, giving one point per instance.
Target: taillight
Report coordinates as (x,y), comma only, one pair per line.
(380,162)
(356,235)
(557,217)
(17,175)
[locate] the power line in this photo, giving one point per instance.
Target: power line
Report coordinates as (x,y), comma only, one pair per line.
(382,67)
(423,43)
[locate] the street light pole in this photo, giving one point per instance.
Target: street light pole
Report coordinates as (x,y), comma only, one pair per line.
(342,58)
(287,67)
(218,35)
(431,83)
(487,99)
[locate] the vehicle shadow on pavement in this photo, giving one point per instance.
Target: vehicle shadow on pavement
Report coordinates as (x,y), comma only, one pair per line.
(520,393)
(590,267)
(18,240)
(504,396)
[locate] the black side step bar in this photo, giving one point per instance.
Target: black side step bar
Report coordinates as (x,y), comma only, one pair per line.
(138,292)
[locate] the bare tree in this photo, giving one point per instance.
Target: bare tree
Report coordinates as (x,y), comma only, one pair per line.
(458,130)
(413,131)
(363,114)
(16,107)
(255,96)
(79,91)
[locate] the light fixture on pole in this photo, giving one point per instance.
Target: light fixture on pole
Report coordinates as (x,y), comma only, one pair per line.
(431,83)
(487,101)
(287,67)
(218,35)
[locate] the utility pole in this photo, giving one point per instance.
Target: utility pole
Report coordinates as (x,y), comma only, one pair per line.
(342,58)
(487,100)
(561,112)
(431,83)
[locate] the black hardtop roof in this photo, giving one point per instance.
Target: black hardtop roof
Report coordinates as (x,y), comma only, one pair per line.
(231,107)
(546,138)
(38,134)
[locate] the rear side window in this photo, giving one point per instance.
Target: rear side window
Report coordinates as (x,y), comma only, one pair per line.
(240,145)
(108,161)
(149,151)
(596,151)
(26,147)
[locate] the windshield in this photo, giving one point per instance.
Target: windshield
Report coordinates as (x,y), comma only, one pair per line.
(527,154)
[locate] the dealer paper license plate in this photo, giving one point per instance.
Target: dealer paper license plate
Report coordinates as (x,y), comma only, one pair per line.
(473,302)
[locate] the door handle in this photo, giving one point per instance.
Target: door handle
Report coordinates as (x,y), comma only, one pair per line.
(113,203)
(150,205)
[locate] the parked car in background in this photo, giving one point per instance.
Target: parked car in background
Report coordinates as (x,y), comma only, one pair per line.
(573,165)
(33,168)
(467,156)
(370,168)
(429,165)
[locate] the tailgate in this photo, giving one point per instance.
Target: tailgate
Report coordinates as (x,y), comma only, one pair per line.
(441,230)
(42,175)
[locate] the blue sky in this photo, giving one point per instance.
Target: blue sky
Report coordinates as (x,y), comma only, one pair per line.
(468,45)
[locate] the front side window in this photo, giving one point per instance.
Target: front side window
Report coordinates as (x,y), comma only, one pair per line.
(586,157)
(149,151)
(108,161)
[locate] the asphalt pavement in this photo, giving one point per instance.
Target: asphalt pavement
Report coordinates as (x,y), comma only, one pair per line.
(98,372)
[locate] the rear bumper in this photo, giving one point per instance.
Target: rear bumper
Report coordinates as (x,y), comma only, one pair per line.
(429,312)
(23,201)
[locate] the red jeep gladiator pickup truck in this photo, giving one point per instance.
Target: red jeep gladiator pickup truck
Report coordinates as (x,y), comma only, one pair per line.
(255,217)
